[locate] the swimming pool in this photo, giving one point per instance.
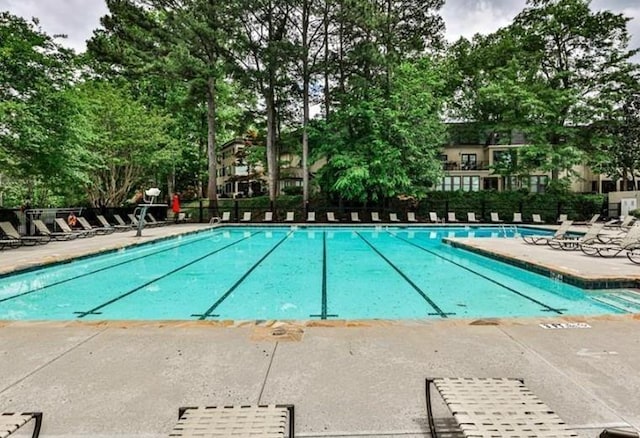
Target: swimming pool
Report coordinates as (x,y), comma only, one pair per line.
(295,273)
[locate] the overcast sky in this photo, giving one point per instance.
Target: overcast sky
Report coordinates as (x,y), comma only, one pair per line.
(78,18)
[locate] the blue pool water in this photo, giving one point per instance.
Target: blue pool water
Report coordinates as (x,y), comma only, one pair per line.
(294,273)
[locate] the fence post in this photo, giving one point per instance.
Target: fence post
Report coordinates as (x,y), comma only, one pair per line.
(235,211)
(200,212)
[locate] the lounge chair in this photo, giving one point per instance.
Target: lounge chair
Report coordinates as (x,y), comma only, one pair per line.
(411,217)
(433,217)
(134,220)
(98,230)
(268,216)
(311,216)
(13,235)
(393,217)
(226,216)
(267,421)
(562,218)
(471,217)
(517,218)
(6,242)
(451,217)
(153,222)
(536,219)
(44,230)
(590,237)
(331,217)
(495,407)
(375,217)
(623,223)
(60,222)
(590,222)
(355,217)
(630,242)
(121,222)
(105,224)
(246,217)
(560,233)
(11,422)
(290,217)
(495,218)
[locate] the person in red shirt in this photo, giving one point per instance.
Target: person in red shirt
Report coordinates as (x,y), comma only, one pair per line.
(175,207)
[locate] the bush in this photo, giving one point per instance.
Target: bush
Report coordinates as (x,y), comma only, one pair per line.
(292,190)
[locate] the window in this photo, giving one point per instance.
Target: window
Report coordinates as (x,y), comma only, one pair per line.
(469,162)
(470,183)
(535,183)
(465,183)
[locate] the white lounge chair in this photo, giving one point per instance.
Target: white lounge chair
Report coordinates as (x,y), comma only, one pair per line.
(246,217)
(268,216)
(311,216)
(630,242)
(451,217)
(495,407)
(562,218)
(495,218)
(592,236)
(433,217)
(411,217)
(560,233)
(393,217)
(11,422)
(355,217)
(226,216)
(260,421)
(537,219)
(517,218)
(290,217)
(471,217)
(331,217)
(375,217)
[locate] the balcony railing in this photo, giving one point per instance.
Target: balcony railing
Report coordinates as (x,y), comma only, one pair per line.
(469,166)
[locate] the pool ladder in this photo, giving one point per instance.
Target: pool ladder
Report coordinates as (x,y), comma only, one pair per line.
(511,228)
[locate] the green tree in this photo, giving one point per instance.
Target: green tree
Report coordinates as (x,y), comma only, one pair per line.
(387,145)
(125,138)
(185,40)
(37,140)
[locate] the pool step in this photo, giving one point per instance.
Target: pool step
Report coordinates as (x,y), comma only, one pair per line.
(625,301)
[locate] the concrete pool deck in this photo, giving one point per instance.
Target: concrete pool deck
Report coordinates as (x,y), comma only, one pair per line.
(346,379)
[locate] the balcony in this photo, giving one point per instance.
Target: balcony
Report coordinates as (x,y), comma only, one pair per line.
(465,166)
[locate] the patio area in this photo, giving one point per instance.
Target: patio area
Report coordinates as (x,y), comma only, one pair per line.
(347,379)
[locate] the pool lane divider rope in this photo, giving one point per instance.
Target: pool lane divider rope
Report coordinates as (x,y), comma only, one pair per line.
(66,280)
(435,307)
(323,311)
(546,308)
(173,271)
(209,312)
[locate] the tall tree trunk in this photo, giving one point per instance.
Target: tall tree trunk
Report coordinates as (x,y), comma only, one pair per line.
(327,94)
(305,97)
(272,159)
(212,192)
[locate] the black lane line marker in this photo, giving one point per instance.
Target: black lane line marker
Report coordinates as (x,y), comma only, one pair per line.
(323,312)
(408,280)
(208,312)
(546,308)
(105,268)
(119,297)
